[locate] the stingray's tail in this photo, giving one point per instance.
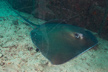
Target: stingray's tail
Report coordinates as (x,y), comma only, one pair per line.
(29,22)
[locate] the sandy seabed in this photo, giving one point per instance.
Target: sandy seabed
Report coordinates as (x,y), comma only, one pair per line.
(17,52)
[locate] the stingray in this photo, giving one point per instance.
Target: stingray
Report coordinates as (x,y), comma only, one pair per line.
(60,42)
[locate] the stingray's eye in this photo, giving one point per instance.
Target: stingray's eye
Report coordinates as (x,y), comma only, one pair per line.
(79,35)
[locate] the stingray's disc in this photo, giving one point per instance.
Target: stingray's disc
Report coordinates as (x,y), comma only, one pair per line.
(61,42)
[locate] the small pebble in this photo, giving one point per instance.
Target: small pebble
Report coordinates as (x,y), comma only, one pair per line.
(1,36)
(37,50)
(1,55)
(2,63)
(30,48)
